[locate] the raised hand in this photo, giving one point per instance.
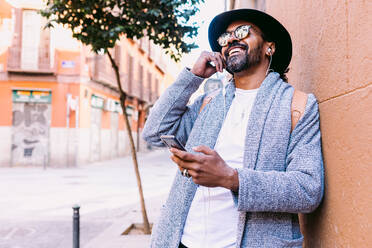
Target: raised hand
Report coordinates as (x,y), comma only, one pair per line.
(203,67)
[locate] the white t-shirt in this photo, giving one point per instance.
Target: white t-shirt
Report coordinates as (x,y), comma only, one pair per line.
(213,218)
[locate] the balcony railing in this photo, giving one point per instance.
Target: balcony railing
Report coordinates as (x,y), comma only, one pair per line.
(103,72)
(29,60)
(146,94)
(136,89)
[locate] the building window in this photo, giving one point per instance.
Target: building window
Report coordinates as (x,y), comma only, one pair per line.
(156,88)
(117,55)
(140,77)
(149,86)
(31,30)
(261,5)
(130,73)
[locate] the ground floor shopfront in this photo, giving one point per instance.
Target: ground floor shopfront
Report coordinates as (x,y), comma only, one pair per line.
(50,124)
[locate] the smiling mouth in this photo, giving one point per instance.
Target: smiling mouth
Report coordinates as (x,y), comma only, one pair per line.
(235,50)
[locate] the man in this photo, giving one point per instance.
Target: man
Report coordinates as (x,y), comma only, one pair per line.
(245,175)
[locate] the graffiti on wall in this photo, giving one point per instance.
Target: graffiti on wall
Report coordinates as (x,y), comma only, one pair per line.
(30,134)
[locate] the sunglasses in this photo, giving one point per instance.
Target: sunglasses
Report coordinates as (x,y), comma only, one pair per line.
(240,33)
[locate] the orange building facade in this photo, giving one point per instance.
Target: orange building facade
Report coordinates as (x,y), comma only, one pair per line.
(332,58)
(60,103)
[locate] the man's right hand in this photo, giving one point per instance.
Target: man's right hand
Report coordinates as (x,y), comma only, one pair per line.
(203,68)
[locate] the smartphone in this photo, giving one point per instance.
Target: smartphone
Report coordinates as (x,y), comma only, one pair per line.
(172,141)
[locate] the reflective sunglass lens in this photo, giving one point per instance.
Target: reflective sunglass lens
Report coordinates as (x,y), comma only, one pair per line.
(242,31)
(222,40)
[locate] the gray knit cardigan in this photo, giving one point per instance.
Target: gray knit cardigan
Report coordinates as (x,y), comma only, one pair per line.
(282,172)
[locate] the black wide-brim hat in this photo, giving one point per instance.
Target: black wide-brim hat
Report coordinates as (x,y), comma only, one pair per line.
(272,29)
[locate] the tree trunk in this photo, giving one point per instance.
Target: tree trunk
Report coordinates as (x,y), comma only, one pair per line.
(123,96)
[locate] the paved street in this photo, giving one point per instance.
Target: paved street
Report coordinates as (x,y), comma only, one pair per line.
(35,204)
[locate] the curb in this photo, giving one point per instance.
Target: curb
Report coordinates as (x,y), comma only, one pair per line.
(111,237)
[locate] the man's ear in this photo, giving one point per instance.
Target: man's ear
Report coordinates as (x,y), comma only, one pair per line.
(270,48)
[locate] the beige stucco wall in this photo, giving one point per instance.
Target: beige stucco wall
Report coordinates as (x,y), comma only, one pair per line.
(332,58)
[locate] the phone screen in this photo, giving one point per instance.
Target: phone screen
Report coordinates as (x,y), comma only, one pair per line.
(171,141)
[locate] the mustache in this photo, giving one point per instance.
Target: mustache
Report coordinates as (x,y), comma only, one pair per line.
(235,43)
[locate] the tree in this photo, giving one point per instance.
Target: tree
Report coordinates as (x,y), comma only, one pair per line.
(101,23)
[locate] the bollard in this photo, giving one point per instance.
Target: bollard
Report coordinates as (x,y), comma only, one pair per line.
(76,226)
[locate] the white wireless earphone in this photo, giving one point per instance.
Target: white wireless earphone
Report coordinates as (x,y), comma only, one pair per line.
(269,51)
(271,57)
(224,100)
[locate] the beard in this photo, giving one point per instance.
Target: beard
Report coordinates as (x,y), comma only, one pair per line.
(240,62)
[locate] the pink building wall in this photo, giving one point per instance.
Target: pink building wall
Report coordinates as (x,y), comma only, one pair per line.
(332,58)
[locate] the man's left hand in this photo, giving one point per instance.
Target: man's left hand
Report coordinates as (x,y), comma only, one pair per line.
(206,168)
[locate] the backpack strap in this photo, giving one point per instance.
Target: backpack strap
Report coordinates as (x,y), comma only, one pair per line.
(298,106)
(208,98)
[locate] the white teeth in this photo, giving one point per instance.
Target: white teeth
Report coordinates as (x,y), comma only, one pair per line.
(234,50)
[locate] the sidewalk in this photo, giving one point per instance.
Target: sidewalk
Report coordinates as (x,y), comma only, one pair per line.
(36,204)
(112,237)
